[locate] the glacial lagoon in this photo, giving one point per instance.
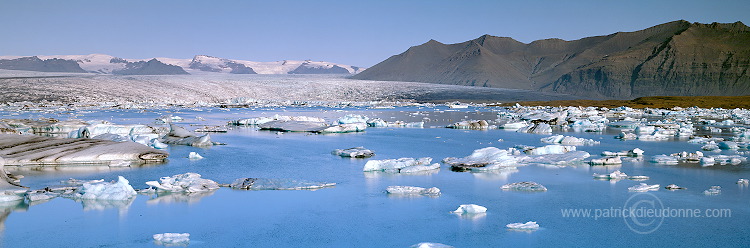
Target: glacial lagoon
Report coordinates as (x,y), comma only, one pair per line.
(357,211)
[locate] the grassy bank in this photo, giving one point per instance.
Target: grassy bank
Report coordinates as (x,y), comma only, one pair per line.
(728,102)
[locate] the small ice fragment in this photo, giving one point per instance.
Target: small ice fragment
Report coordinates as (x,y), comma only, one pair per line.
(470,209)
(524,186)
(644,187)
(10,196)
(394,165)
(550,149)
(354,152)
(187,183)
(172,239)
(674,187)
(430,245)
(120,190)
(277,184)
(411,190)
(743,181)
(531,225)
(195,156)
(606,161)
(614,175)
(638,177)
(714,190)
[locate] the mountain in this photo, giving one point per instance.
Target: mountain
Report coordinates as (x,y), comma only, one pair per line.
(675,58)
(36,64)
(200,64)
(214,64)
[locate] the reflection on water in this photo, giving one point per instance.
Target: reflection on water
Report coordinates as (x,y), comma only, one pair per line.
(99,205)
(471,216)
(8,207)
(495,175)
(169,198)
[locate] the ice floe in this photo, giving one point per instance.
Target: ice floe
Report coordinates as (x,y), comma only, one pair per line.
(194,156)
(119,190)
(184,183)
(610,160)
(180,136)
(714,190)
(524,186)
(538,128)
(530,225)
(354,152)
(489,158)
(642,187)
(397,165)
(471,124)
(674,187)
(743,181)
(549,149)
(568,140)
(277,184)
(615,175)
(172,239)
(470,209)
(411,190)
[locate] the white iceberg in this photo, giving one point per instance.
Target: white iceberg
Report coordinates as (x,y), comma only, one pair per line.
(550,149)
(120,190)
(606,161)
(538,128)
(714,190)
(194,156)
(615,175)
(354,152)
(489,158)
(568,140)
(524,186)
(531,225)
(186,183)
(411,190)
(556,159)
(180,136)
(470,209)
(394,165)
(674,187)
(430,245)
(471,124)
(743,181)
(277,184)
(664,159)
(172,239)
(352,118)
(644,187)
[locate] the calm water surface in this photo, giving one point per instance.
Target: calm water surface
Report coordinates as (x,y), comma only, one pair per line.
(357,212)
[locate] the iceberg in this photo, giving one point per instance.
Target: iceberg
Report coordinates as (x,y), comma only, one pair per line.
(94,130)
(531,225)
(524,186)
(277,184)
(172,239)
(664,159)
(714,190)
(394,165)
(120,190)
(471,124)
(743,181)
(568,140)
(728,145)
(179,136)
(187,183)
(550,149)
(38,150)
(606,161)
(586,125)
(430,245)
(352,118)
(489,158)
(411,190)
(354,152)
(556,159)
(674,187)
(644,187)
(538,128)
(615,175)
(419,169)
(470,209)
(262,120)
(9,196)
(40,195)
(514,125)
(637,152)
(194,156)
(627,136)
(344,128)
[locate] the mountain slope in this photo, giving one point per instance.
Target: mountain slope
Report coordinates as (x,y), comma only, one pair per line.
(36,64)
(676,58)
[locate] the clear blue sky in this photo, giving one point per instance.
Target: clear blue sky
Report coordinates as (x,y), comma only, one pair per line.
(351,32)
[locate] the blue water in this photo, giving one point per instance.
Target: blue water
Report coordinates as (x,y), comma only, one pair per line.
(357,212)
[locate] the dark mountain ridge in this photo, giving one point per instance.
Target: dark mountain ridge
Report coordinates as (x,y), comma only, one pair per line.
(675,58)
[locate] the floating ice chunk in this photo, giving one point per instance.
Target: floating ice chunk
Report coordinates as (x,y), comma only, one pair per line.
(195,156)
(416,169)
(728,145)
(644,187)
(430,245)
(108,128)
(277,184)
(471,124)
(488,158)
(514,125)
(524,186)
(531,225)
(377,122)
(262,120)
(172,239)
(638,178)
(710,147)
(120,190)
(538,128)
(10,196)
(550,149)
(586,125)
(411,190)
(568,140)
(556,159)
(354,152)
(743,181)
(615,175)
(714,190)
(394,165)
(627,136)
(180,136)
(470,209)
(40,195)
(664,159)
(674,187)
(187,183)
(645,129)
(352,118)
(624,124)
(344,128)
(606,161)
